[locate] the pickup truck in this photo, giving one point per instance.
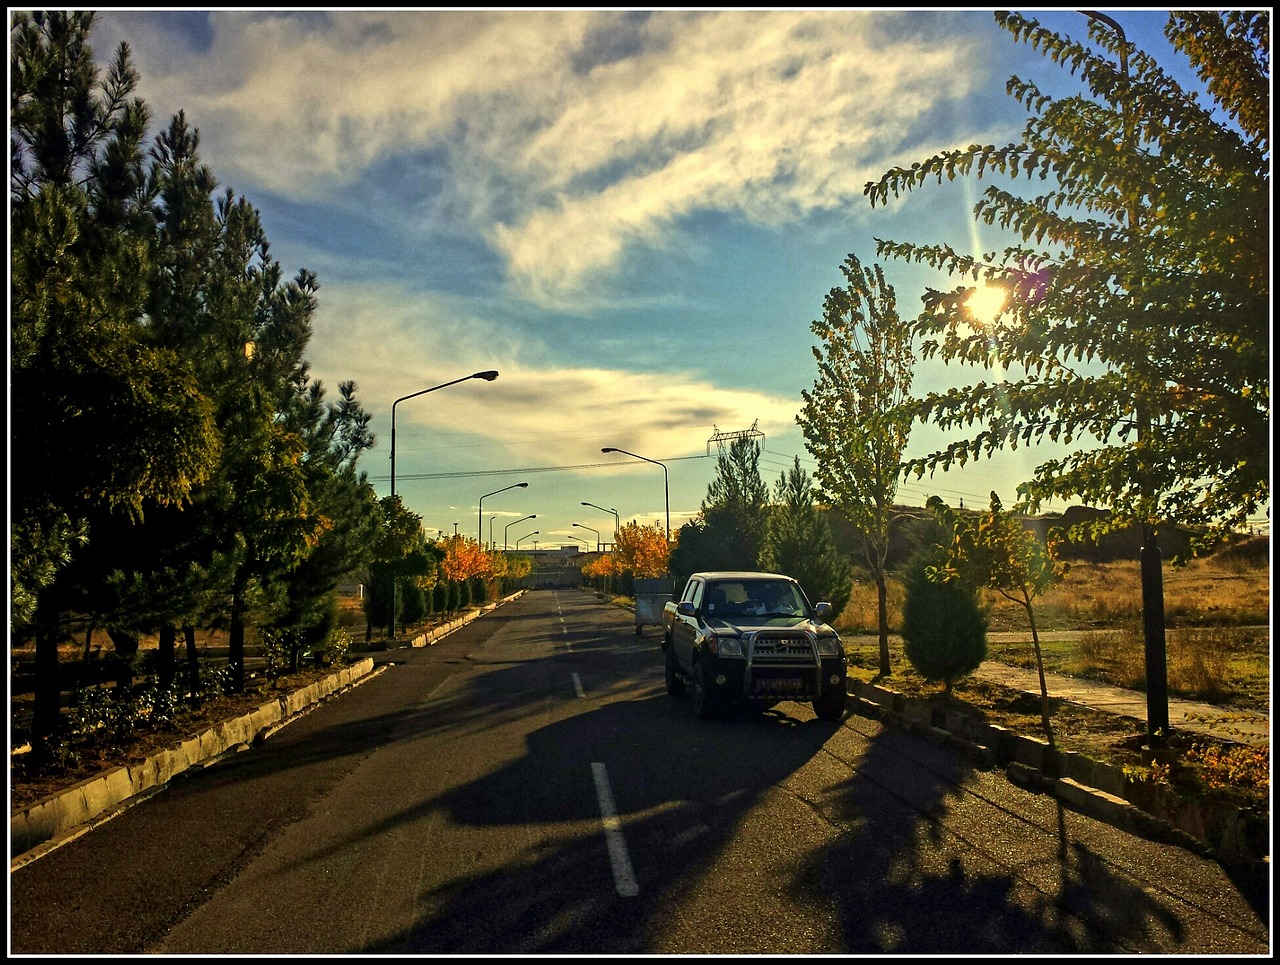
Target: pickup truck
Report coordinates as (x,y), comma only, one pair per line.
(745,638)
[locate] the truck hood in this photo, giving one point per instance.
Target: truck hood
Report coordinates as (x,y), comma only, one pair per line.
(750,624)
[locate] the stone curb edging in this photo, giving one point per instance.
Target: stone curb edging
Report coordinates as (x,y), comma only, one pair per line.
(74,810)
(1102,791)
(54,820)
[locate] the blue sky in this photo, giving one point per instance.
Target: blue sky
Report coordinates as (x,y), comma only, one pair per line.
(633,216)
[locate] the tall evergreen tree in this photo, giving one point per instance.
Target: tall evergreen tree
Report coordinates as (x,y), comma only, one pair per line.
(798,542)
(105,422)
(729,531)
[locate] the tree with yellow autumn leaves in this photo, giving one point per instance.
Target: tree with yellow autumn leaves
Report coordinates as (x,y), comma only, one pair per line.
(639,551)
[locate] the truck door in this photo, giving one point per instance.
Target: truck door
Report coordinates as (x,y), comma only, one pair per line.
(685,628)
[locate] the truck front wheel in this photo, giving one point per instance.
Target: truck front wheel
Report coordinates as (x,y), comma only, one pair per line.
(675,683)
(704,702)
(830,705)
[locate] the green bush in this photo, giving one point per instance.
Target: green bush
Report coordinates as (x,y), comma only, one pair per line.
(944,627)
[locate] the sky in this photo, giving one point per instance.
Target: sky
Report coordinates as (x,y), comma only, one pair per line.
(633,217)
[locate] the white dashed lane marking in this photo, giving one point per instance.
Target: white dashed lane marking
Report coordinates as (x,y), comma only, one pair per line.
(624,878)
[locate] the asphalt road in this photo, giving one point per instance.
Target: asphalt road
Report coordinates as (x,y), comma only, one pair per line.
(526,786)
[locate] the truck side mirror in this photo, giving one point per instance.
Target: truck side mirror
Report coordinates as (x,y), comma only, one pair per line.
(822,610)
(685,609)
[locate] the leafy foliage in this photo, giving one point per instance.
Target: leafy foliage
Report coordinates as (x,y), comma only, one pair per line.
(729,530)
(854,419)
(995,550)
(641,550)
(1136,324)
(944,629)
(798,542)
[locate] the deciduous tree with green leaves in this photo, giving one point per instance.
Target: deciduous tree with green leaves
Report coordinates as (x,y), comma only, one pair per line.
(853,419)
(995,550)
(1136,328)
(1140,286)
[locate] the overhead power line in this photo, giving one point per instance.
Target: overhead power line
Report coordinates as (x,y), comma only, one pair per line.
(504,472)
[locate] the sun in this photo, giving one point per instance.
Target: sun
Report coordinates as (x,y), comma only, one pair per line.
(985,303)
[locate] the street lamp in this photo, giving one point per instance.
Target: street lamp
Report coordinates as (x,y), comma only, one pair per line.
(665,484)
(512,523)
(480,509)
(596,531)
(488,376)
(491,519)
(524,537)
(616,523)
(1157,671)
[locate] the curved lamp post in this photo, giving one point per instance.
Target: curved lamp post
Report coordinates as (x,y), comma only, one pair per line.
(616,522)
(480,510)
(512,523)
(524,537)
(488,376)
(596,531)
(665,483)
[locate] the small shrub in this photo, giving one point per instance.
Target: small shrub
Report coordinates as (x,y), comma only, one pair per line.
(1233,771)
(944,629)
(277,647)
(333,650)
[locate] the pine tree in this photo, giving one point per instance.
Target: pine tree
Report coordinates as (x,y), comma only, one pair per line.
(798,542)
(944,629)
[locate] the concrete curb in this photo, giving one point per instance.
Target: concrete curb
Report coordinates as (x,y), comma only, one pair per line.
(1094,788)
(59,818)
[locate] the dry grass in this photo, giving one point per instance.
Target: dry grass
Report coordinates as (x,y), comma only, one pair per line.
(1216,591)
(1218,650)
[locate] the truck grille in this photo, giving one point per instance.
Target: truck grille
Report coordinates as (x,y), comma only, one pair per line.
(775,649)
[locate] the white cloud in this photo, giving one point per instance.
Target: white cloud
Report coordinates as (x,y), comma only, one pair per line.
(539,411)
(566,135)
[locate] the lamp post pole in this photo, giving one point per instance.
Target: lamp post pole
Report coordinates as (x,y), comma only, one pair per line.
(596,531)
(480,509)
(1154,645)
(666,487)
(488,376)
(616,523)
(491,519)
(512,523)
(524,537)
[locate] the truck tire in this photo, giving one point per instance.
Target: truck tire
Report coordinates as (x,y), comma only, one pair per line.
(704,702)
(830,704)
(675,683)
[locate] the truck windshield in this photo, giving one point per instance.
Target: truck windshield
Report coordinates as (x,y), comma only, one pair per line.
(761,598)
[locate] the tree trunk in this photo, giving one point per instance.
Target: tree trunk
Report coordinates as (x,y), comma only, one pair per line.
(87,654)
(126,645)
(46,721)
(235,643)
(166,658)
(882,604)
(1044,690)
(193,662)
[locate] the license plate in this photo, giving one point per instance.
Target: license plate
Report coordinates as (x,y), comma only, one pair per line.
(780,686)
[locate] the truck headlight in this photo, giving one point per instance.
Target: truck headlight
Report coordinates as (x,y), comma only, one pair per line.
(724,646)
(829,647)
